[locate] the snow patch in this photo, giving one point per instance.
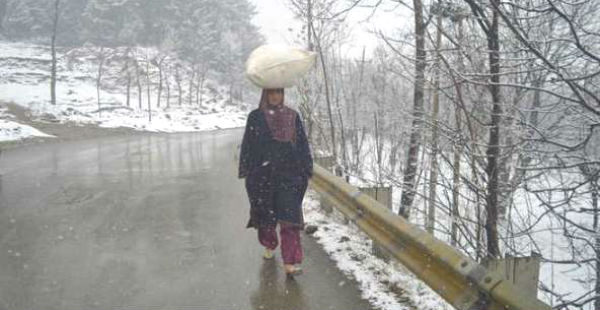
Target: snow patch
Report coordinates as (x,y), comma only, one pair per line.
(12,131)
(386,285)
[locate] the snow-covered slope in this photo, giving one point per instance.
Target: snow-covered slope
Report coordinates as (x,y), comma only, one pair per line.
(25,80)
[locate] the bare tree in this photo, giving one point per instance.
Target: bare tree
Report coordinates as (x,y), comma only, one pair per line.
(158,63)
(127,69)
(148,85)
(434,166)
(101,57)
(138,79)
(201,74)
(410,170)
(191,85)
(168,85)
(53,49)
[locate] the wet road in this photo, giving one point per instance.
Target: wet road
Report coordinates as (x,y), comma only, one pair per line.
(146,221)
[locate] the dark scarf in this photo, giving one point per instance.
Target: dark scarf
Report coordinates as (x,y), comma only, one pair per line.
(280,119)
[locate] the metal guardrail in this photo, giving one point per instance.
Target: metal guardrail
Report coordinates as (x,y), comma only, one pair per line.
(461,281)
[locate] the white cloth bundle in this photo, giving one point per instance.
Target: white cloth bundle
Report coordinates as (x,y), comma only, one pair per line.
(278,66)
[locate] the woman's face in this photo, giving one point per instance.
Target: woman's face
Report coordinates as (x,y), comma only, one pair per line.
(274,97)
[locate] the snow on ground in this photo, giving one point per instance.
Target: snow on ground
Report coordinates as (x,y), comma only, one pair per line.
(387,286)
(11,130)
(24,80)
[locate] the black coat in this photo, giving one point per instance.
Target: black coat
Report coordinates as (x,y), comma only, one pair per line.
(276,173)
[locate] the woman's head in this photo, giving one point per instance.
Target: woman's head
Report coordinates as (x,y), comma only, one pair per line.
(274,96)
(280,119)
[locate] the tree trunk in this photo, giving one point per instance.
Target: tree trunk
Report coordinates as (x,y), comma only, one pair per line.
(433,172)
(198,90)
(139,83)
(335,96)
(99,78)
(455,183)
(493,151)
(457,150)
(394,151)
(377,146)
(160,83)
(410,170)
(191,86)
(343,138)
(148,89)
(200,86)
(53,49)
(128,100)
(128,71)
(309,26)
(168,86)
(179,88)
(594,184)
(355,128)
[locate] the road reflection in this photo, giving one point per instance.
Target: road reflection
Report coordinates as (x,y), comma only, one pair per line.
(275,292)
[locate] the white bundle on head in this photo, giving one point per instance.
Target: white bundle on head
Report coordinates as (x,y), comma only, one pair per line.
(278,66)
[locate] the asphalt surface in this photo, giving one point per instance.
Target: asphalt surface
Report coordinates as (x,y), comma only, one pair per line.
(144,221)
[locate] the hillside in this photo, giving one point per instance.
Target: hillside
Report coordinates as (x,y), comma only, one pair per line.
(25,81)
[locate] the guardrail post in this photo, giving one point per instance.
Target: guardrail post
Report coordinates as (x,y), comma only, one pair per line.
(522,272)
(384,196)
(327,162)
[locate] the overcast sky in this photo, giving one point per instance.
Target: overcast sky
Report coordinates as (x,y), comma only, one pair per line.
(276,19)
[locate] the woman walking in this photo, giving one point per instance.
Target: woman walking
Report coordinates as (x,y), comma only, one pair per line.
(276,161)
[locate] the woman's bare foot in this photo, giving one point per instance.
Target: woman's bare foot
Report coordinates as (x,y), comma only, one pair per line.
(292,270)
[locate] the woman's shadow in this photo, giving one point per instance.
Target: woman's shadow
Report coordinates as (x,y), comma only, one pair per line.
(273,294)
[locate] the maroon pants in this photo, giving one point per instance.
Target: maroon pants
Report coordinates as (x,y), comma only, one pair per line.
(291,249)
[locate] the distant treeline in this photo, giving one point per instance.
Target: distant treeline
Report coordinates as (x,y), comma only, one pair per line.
(195,30)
